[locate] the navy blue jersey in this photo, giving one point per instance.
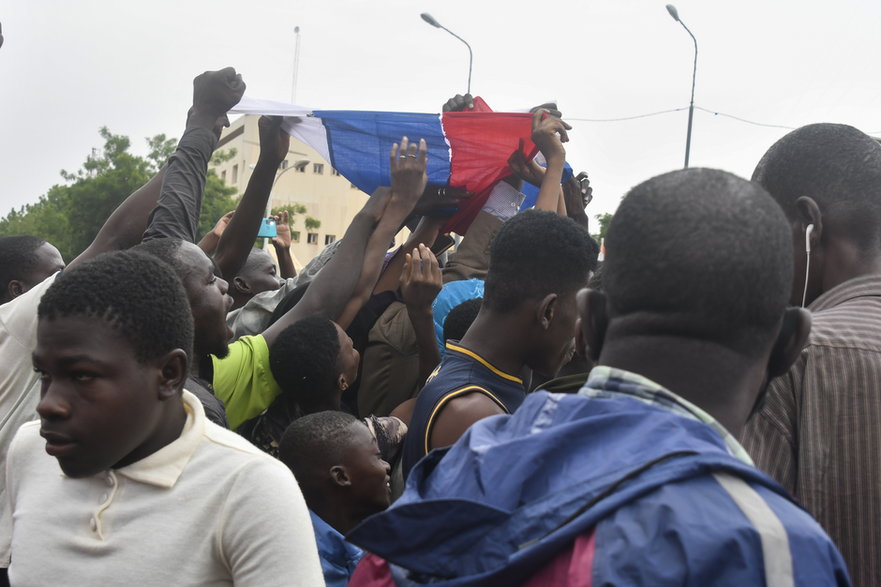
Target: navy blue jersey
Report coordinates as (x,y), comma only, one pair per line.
(462,372)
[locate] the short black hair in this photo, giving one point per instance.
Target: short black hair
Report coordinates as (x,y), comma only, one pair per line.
(137,295)
(536,253)
(700,253)
(836,165)
(166,250)
(304,360)
(18,256)
(460,318)
(313,443)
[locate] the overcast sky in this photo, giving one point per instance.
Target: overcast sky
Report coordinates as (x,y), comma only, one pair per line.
(67,67)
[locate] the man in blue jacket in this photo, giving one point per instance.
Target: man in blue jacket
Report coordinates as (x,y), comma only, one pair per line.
(637,479)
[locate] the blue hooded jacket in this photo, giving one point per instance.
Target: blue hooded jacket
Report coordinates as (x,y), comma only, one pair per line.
(666,501)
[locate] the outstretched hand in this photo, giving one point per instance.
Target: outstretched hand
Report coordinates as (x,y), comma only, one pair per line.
(421,279)
(282,239)
(222,223)
(274,142)
(408,169)
(549,134)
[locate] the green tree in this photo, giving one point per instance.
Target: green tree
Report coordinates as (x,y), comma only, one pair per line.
(604,221)
(69,215)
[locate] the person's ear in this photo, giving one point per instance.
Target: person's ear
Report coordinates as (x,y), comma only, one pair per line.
(545,310)
(241,285)
(342,384)
(790,341)
(15,289)
(340,476)
(594,321)
(808,213)
(173,370)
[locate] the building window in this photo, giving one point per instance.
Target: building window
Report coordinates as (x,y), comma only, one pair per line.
(223,176)
(235,173)
(329,238)
(335,172)
(301,168)
(295,236)
(318,168)
(312,238)
(283,164)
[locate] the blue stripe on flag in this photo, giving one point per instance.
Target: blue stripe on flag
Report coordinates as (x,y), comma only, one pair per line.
(360,141)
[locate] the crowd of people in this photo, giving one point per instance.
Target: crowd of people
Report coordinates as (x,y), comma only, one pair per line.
(698,408)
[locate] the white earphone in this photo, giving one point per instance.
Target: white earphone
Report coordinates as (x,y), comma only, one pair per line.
(808,230)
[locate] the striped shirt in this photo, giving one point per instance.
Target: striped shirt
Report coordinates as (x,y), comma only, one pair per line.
(819,432)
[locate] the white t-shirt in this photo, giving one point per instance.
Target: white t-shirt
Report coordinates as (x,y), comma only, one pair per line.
(207,509)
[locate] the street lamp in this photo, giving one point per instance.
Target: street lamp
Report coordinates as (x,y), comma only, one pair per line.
(675,14)
(430,20)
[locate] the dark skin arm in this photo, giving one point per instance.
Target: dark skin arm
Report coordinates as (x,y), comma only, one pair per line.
(576,194)
(282,244)
(549,134)
(458,415)
(236,241)
(209,241)
(333,286)
(435,206)
(421,281)
(408,183)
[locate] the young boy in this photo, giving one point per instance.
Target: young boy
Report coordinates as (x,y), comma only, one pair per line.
(344,480)
(137,486)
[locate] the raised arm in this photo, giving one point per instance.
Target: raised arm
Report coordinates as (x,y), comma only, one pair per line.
(549,134)
(282,245)
(177,212)
(408,184)
(238,238)
(333,287)
(420,283)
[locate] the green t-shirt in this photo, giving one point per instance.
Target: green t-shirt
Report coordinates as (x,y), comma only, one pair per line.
(244,381)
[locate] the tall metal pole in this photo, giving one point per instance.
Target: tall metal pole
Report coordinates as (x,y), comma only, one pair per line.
(296,65)
(675,14)
(431,20)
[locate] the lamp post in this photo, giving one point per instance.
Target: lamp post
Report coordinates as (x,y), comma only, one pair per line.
(675,14)
(430,20)
(296,65)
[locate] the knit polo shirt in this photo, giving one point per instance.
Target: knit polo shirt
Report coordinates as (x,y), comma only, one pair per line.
(206,509)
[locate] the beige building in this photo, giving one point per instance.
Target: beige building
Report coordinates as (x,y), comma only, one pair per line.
(303,178)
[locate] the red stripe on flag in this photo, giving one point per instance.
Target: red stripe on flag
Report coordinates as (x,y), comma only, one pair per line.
(481,144)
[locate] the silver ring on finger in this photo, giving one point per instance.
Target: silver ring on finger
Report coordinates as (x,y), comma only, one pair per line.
(411,155)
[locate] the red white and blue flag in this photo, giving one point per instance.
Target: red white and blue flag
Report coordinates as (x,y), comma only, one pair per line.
(467,150)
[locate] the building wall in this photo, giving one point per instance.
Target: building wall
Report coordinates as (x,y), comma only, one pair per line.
(304,178)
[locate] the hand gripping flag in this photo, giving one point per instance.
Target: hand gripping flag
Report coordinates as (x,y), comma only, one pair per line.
(467,150)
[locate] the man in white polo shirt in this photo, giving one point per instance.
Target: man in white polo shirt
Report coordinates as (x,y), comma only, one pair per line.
(138,488)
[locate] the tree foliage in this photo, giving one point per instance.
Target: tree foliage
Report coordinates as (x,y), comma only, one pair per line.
(70,214)
(604,221)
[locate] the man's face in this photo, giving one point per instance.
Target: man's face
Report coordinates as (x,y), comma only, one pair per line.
(259,273)
(48,262)
(369,474)
(349,357)
(556,345)
(99,407)
(209,302)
